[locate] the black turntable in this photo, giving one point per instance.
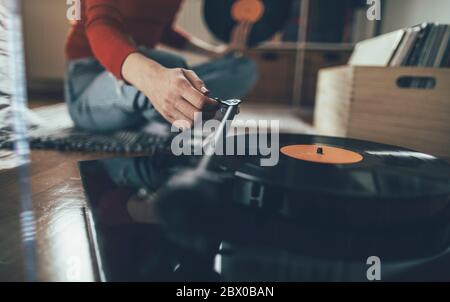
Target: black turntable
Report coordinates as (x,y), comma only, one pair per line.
(328,206)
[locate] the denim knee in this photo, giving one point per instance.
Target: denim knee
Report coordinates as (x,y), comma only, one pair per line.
(102,120)
(248,69)
(242,77)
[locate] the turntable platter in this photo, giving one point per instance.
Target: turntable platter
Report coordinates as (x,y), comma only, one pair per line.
(381,185)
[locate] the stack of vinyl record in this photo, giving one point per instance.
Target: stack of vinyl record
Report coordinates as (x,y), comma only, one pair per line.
(426,45)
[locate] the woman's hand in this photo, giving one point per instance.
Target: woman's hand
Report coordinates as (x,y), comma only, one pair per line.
(177,94)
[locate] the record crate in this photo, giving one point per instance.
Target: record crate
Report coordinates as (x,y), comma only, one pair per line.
(377,104)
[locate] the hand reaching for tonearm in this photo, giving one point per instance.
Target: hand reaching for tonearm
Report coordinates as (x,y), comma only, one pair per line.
(177,94)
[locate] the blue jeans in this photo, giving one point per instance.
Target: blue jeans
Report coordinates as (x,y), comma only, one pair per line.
(98,102)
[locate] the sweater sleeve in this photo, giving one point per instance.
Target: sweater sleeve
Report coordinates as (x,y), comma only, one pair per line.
(107,36)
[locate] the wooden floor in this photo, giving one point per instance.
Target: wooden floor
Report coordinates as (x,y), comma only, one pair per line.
(58,203)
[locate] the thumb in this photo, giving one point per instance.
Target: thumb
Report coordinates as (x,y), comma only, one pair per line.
(195,81)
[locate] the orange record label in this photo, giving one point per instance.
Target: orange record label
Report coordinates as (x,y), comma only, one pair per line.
(322,154)
(247,11)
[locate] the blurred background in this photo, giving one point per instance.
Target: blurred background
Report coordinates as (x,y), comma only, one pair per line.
(296,87)
(325,38)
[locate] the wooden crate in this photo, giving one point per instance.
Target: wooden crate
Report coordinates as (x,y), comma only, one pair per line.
(369,103)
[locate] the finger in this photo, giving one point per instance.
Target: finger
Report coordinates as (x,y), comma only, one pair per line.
(167,117)
(186,108)
(182,125)
(179,120)
(195,81)
(198,100)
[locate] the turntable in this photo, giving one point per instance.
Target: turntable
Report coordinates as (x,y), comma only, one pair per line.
(318,215)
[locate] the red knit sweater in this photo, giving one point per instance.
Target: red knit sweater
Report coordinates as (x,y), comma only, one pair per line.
(110,30)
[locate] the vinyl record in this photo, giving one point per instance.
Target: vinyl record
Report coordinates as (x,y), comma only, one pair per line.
(271,15)
(344,180)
